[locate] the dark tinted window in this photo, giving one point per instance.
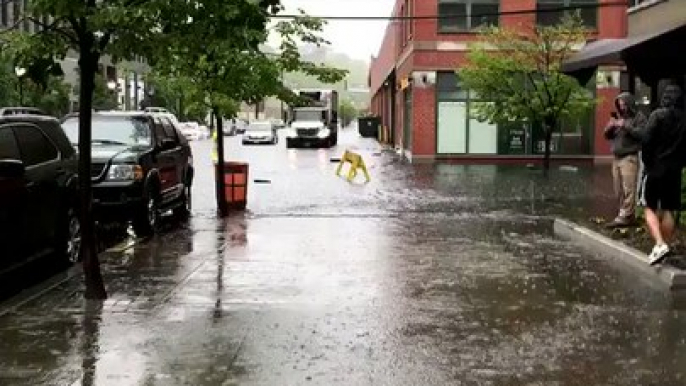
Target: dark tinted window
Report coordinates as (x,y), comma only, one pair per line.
(169,131)
(35,147)
(449,86)
(159,131)
(8,145)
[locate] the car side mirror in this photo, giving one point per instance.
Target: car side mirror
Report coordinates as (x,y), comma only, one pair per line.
(167,144)
(11,169)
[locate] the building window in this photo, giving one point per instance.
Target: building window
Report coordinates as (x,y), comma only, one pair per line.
(4,13)
(27,22)
(552,12)
(403,28)
(410,14)
(467,15)
(457,132)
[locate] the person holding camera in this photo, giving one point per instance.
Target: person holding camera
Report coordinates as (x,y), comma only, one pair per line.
(624,130)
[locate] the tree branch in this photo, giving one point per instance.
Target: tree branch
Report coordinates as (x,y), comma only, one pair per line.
(54,26)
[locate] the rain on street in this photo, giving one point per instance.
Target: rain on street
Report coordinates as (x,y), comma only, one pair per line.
(433,274)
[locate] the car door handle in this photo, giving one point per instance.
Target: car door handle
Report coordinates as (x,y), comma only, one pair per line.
(60,171)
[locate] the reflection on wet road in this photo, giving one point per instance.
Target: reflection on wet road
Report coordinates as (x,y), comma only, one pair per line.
(429,275)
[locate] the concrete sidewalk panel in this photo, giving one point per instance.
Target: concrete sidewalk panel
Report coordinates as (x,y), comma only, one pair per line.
(594,242)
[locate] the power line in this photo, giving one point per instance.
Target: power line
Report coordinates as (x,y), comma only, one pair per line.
(578,7)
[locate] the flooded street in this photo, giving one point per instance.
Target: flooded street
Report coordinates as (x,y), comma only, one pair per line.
(428,275)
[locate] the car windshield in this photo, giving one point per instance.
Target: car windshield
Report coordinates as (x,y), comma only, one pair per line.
(260,127)
(130,131)
(309,115)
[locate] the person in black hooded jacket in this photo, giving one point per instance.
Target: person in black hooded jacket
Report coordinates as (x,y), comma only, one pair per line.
(664,146)
(624,132)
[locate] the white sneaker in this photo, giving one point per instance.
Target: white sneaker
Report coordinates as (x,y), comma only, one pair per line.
(658,254)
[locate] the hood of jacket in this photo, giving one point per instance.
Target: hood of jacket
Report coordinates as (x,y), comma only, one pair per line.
(629,102)
(670,96)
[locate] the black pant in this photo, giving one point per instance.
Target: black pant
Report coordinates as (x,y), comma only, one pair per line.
(661,191)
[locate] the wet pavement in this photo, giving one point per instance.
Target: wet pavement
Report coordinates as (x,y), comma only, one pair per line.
(428,275)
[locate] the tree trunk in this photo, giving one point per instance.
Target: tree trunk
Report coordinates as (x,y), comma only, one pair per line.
(549,128)
(219,169)
(95,287)
(546,155)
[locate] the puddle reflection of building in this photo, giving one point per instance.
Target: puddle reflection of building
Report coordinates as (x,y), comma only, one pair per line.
(90,341)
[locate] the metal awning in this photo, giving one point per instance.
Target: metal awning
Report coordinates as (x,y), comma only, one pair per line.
(628,50)
(605,51)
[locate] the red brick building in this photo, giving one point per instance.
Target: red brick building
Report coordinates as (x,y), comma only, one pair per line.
(418,96)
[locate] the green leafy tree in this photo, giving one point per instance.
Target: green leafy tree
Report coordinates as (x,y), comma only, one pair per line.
(231,67)
(45,90)
(348,112)
(52,98)
(170,93)
(92,28)
(103,97)
(518,73)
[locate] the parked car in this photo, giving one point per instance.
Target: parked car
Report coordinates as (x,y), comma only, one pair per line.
(230,127)
(158,110)
(240,125)
(38,193)
(142,166)
(278,123)
(193,131)
(21,111)
(260,132)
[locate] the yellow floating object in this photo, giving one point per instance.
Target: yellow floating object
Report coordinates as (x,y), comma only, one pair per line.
(356,162)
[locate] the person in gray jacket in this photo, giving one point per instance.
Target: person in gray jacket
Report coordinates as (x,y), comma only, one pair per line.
(624,132)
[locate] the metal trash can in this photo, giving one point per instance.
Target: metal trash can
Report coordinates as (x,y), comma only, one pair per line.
(369,126)
(236,184)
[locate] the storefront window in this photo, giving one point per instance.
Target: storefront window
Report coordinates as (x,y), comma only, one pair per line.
(458,132)
(552,12)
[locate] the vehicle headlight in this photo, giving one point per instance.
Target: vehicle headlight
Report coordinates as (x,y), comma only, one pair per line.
(125,173)
(291,133)
(324,133)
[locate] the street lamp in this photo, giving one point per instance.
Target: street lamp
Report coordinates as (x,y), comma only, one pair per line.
(112,85)
(20,71)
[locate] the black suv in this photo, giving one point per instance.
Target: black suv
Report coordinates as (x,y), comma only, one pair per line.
(142,166)
(38,192)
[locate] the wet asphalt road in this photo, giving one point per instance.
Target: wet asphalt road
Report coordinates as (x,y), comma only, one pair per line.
(428,275)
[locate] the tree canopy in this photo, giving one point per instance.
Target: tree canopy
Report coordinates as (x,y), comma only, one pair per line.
(517,76)
(201,40)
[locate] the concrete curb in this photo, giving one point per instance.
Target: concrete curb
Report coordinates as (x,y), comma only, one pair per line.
(667,276)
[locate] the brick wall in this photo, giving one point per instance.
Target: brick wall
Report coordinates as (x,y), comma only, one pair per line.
(424,121)
(612,24)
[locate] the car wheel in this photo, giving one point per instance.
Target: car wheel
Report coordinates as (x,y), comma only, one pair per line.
(147,220)
(184,209)
(69,238)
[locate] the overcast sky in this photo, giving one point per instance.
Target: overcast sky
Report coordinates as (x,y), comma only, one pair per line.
(358,39)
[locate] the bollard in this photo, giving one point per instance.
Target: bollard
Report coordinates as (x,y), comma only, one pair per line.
(356,162)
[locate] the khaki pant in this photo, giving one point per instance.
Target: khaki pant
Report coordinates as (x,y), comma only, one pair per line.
(625,177)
